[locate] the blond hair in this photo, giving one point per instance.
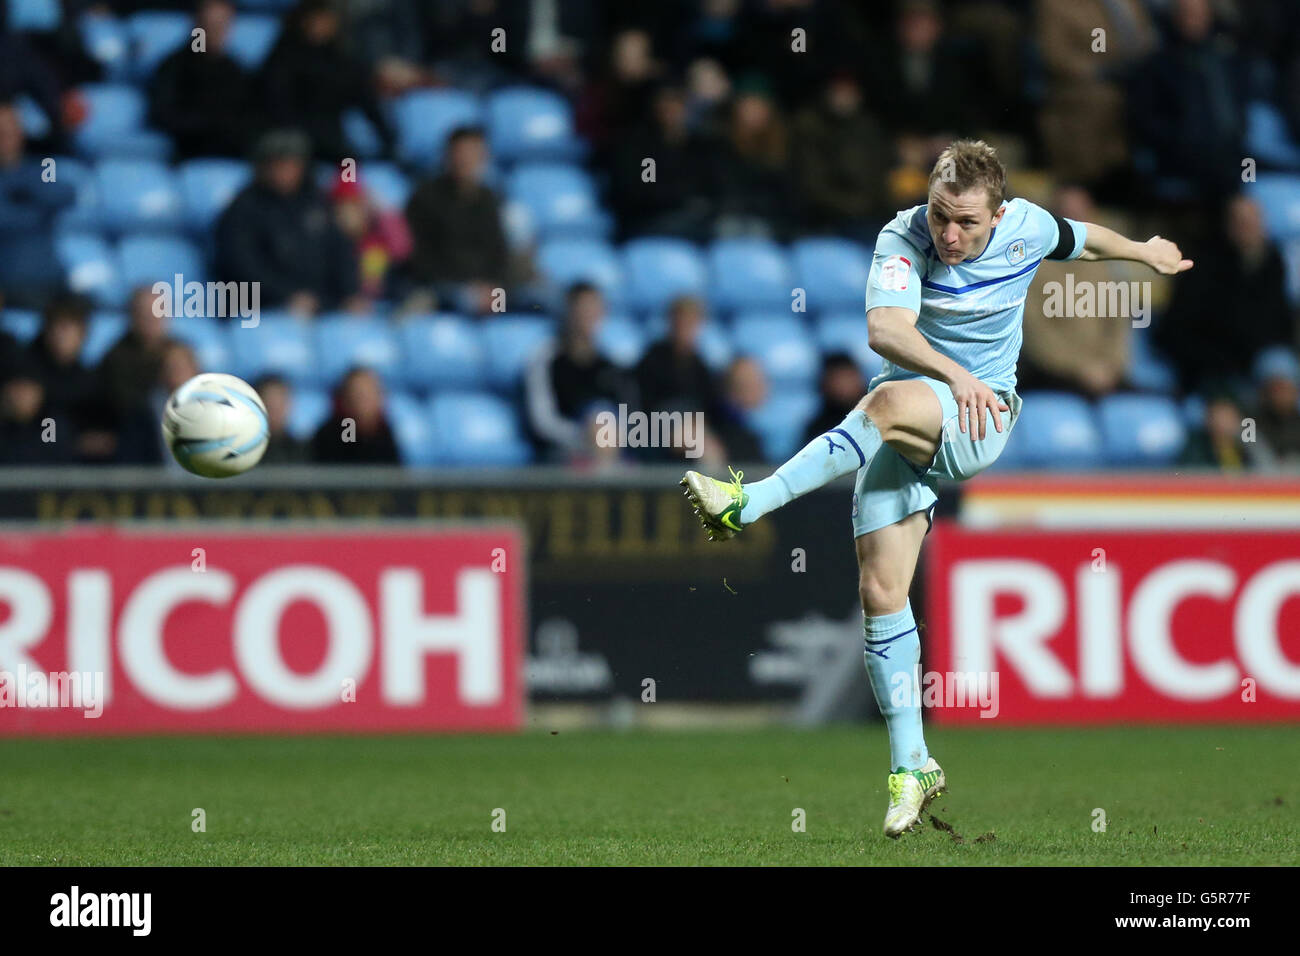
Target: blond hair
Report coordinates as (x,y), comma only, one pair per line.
(971,163)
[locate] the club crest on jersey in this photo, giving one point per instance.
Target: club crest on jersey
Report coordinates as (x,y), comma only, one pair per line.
(1016,252)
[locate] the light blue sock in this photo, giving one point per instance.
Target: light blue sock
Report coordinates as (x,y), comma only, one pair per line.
(893,655)
(840,451)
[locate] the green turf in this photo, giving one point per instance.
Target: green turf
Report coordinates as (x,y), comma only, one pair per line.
(1198,795)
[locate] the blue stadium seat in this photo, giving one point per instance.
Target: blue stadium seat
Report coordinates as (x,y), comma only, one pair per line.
(1267,138)
(1291,261)
(83,215)
(154,36)
(561,200)
(781,345)
(308,408)
(22,324)
(566,261)
(1059,431)
(412,425)
(386,184)
(781,420)
(251,38)
(34,121)
(476,430)
(1148,370)
(442,351)
(137,195)
(207,186)
(1141,429)
(1278,196)
(207,336)
(832,272)
(1192,411)
(621,340)
(91,267)
(847,332)
(749,274)
(108,42)
(37,16)
(423,118)
(157,258)
(102,333)
(361,134)
(343,341)
(510,342)
(531,124)
(279,343)
(114,125)
(658,270)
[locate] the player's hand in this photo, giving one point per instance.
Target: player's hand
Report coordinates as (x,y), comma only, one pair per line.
(1165,257)
(976,399)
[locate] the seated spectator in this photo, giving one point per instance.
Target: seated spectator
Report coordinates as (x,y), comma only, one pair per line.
(357,431)
(201,98)
(568,377)
(744,390)
(753,168)
(127,374)
(1277,412)
(278,231)
(380,239)
(672,376)
(1219,443)
(926,80)
(24,425)
(282,448)
(842,387)
(460,244)
(72,393)
(310,81)
(29,270)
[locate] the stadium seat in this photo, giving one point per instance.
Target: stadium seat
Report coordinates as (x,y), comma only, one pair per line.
(1291,261)
(832,272)
(782,346)
(387,185)
(749,274)
(361,134)
(137,195)
(621,340)
(251,38)
(155,258)
(22,324)
(1267,138)
(279,343)
(442,352)
(1148,370)
(102,333)
(37,16)
(566,261)
(308,408)
(423,118)
(847,332)
(561,200)
(1059,431)
(114,125)
(91,267)
(1278,196)
(208,337)
(207,186)
(477,429)
(510,342)
(781,420)
(657,270)
(83,215)
(35,123)
(108,42)
(1141,430)
(531,124)
(412,425)
(343,341)
(154,35)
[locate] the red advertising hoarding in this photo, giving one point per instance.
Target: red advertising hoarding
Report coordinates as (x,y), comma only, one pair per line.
(1118,626)
(266,630)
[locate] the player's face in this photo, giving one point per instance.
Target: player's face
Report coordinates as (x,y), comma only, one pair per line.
(960,223)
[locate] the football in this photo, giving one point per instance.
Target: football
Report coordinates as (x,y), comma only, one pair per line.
(215,425)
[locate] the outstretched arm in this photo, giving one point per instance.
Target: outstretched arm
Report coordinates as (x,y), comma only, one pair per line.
(1160,254)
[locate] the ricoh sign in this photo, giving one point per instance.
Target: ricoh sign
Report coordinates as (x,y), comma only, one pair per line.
(1120,626)
(273,630)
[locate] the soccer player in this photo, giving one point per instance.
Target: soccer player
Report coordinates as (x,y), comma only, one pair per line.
(945,299)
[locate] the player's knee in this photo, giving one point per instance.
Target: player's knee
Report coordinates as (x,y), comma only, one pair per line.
(882,406)
(880,597)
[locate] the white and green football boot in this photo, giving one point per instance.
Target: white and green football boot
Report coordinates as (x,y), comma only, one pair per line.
(910,792)
(717,503)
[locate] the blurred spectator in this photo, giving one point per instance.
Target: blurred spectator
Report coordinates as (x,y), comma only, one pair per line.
(567,378)
(127,374)
(282,448)
(926,83)
(201,99)
(753,176)
(672,376)
(1277,413)
(29,200)
(1082,122)
(744,391)
(1230,306)
(379,236)
(841,159)
(178,365)
(279,231)
(621,98)
(1218,443)
(842,387)
(455,219)
(676,202)
(357,431)
(72,393)
(23,425)
(24,71)
(309,81)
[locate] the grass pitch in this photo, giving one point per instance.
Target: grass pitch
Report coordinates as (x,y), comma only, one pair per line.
(1171,796)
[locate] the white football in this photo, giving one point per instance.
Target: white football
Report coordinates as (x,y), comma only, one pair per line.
(215,425)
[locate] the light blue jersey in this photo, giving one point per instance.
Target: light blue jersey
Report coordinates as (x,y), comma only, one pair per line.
(971,312)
